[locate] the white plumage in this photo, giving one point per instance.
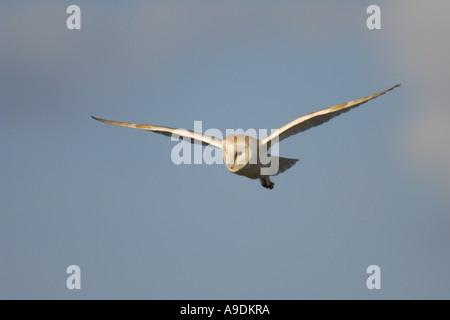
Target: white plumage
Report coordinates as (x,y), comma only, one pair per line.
(247,156)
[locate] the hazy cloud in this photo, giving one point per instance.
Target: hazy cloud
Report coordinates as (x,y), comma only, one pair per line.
(419,34)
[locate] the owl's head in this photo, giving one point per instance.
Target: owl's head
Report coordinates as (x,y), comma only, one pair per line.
(239,151)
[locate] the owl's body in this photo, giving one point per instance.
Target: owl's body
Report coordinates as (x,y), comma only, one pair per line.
(248,156)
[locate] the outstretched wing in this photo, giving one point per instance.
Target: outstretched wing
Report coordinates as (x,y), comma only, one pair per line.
(191,135)
(317,118)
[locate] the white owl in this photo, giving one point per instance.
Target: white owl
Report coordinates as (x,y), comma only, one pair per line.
(247,156)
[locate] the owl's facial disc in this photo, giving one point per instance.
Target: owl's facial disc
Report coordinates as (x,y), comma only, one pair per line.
(236,153)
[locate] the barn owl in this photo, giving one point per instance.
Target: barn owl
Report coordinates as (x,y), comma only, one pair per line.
(244,155)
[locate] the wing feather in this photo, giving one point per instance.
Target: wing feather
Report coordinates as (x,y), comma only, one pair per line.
(317,118)
(170,132)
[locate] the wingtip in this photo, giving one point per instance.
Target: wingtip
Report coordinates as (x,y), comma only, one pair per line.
(392,88)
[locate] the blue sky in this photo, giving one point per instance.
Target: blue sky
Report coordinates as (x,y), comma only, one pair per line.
(371,186)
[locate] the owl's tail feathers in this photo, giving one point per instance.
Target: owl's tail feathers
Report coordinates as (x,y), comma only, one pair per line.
(284,164)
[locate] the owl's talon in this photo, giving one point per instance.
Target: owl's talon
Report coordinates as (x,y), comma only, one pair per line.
(266,183)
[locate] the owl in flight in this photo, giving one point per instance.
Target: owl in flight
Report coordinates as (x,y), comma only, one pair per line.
(247,156)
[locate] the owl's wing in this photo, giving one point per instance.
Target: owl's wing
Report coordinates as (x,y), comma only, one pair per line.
(317,118)
(191,135)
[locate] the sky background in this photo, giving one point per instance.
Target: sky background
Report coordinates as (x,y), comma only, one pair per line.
(371,187)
